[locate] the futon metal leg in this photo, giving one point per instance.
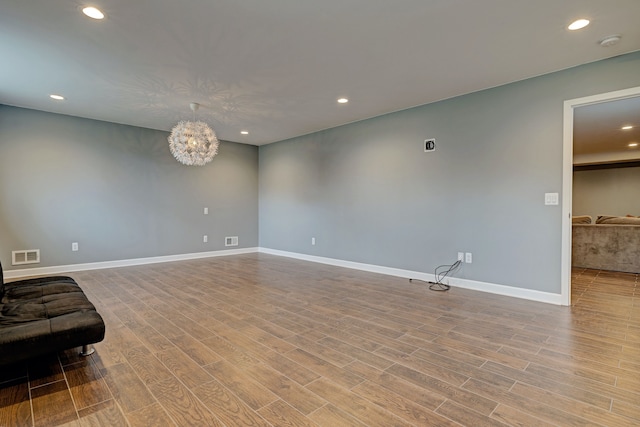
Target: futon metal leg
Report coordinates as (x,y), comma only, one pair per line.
(87,350)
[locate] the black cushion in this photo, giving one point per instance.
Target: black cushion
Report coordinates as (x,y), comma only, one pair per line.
(45,315)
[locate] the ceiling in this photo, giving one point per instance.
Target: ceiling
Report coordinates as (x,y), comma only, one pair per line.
(276,68)
(598,128)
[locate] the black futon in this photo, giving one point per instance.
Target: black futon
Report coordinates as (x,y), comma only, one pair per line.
(45,315)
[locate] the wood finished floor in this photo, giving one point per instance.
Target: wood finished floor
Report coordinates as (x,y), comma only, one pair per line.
(259,340)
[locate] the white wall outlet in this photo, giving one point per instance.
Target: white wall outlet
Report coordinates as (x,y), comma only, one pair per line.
(468,258)
(205,238)
(313,241)
(461,256)
(206,211)
(74,246)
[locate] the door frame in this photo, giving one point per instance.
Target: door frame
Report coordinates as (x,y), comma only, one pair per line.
(567,178)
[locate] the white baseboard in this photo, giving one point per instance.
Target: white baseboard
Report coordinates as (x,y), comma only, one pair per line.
(492,288)
(39,271)
(396,272)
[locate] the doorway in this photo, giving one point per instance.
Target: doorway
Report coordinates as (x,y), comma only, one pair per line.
(567,178)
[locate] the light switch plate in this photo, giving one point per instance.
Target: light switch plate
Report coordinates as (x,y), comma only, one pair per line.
(550,198)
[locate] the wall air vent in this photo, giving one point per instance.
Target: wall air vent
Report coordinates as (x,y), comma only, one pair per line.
(231,241)
(28,256)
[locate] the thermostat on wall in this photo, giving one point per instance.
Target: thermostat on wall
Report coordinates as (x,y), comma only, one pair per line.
(429,145)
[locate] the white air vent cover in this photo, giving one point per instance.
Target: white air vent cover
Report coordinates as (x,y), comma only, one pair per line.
(231,241)
(28,256)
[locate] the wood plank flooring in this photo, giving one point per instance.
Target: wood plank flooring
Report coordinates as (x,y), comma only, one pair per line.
(259,340)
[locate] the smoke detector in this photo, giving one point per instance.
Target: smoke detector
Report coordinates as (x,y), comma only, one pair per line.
(610,40)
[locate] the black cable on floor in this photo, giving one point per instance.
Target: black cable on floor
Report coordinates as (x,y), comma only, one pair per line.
(440,276)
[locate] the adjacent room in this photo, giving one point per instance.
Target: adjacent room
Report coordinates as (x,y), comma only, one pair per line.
(606,195)
(328,213)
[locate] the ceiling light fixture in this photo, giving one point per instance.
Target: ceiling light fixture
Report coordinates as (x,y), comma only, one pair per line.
(244,132)
(93,12)
(578,24)
(343,100)
(633,144)
(56,97)
(193,143)
(626,127)
(610,40)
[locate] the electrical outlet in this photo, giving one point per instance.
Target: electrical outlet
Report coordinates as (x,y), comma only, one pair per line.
(461,256)
(468,258)
(206,211)
(205,238)
(313,241)
(74,246)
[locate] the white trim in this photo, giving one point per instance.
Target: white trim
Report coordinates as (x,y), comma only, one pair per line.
(492,288)
(508,291)
(396,272)
(567,179)
(350,264)
(15,274)
(567,202)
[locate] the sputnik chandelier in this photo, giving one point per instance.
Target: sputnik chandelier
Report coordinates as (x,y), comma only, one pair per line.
(193,142)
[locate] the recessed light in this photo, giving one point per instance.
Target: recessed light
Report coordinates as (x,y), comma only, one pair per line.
(633,144)
(342,100)
(56,97)
(627,127)
(578,24)
(93,12)
(244,132)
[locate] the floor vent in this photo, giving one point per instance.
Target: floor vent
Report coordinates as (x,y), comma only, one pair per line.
(231,241)
(29,256)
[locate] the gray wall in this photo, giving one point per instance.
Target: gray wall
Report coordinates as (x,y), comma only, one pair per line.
(369,193)
(116,190)
(607,192)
